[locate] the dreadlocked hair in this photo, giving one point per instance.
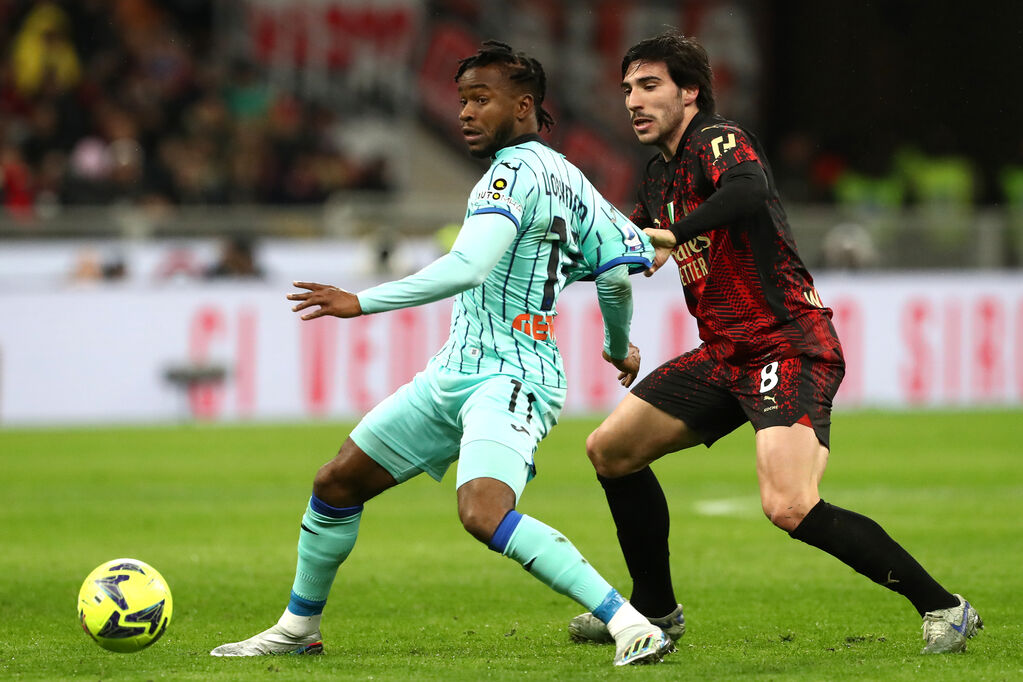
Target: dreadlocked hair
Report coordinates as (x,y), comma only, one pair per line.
(521,69)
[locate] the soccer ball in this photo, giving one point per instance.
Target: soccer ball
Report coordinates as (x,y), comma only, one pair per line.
(124,605)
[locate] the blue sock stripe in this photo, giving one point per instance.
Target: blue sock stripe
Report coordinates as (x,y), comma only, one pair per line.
(609,607)
(321,507)
(504,531)
(305,607)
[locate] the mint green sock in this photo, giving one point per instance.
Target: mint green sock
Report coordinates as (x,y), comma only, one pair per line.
(554,561)
(327,538)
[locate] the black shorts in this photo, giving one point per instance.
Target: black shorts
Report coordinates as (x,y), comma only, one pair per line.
(714,398)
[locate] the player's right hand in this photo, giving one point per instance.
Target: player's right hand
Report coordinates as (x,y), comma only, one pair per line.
(332,301)
(663,242)
(628,366)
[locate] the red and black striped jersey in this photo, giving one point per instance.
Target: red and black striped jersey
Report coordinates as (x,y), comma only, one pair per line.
(744,281)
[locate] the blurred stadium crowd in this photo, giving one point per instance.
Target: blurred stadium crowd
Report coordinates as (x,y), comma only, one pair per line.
(157,104)
(121,101)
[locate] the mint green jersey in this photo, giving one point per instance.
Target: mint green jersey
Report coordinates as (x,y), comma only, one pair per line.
(565,231)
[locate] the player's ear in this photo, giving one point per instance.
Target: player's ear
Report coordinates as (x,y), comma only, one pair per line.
(524,106)
(689,95)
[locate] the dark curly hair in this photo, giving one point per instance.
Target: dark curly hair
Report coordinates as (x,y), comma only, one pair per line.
(521,69)
(685,58)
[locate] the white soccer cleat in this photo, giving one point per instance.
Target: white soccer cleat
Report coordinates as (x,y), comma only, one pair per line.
(641,644)
(947,630)
(273,642)
(588,628)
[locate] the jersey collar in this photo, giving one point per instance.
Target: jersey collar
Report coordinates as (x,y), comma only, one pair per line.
(522,139)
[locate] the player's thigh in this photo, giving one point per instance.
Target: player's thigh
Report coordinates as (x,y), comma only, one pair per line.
(790,463)
(635,434)
(789,401)
(682,403)
(503,422)
(411,431)
(790,460)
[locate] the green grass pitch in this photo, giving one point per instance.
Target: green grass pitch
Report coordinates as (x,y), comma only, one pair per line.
(216,509)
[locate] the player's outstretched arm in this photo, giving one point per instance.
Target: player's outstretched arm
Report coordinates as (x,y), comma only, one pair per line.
(614,293)
(332,301)
(480,244)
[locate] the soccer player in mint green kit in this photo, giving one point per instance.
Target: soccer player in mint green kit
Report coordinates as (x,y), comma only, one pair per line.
(534,224)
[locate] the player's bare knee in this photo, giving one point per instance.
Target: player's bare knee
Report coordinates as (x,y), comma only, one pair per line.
(474,525)
(615,468)
(329,486)
(783,519)
(339,486)
(785,512)
(479,521)
(605,457)
(609,467)
(593,448)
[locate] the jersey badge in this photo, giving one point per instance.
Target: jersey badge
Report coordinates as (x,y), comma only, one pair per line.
(721,144)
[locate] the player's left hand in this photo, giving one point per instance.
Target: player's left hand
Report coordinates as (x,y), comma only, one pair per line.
(629,365)
(332,301)
(664,243)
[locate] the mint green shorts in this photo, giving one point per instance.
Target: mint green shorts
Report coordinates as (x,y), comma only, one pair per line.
(427,423)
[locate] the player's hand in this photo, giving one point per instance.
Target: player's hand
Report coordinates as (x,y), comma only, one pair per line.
(628,366)
(663,242)
(332,301)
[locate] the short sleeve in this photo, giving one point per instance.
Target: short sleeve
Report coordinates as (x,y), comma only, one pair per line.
(721,147)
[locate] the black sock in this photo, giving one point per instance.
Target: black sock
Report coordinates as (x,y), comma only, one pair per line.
(866,548)
(640,514)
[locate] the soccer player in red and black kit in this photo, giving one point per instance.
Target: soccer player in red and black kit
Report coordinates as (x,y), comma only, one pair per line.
(770,354)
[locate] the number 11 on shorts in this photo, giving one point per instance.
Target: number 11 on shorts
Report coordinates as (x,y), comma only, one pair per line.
(530,398)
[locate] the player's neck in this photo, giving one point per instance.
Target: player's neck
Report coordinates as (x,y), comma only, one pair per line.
(526,128)
(518,133)
(670,145)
